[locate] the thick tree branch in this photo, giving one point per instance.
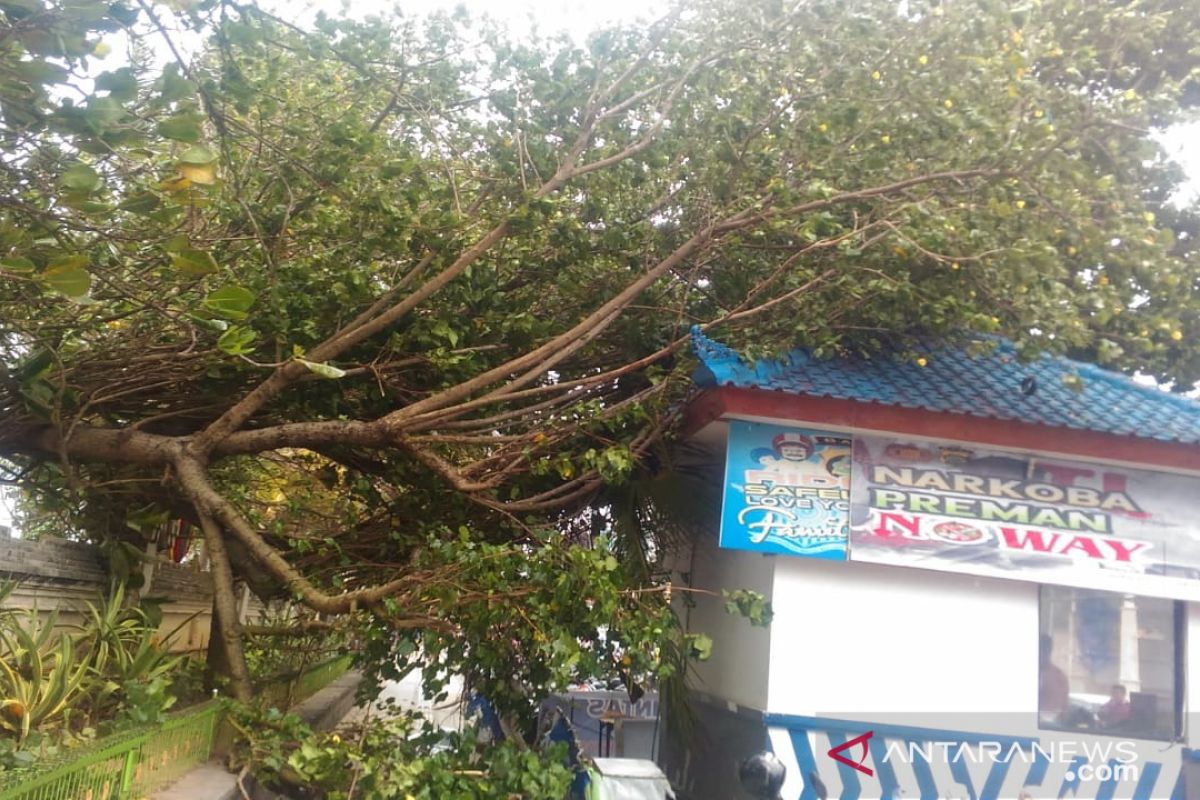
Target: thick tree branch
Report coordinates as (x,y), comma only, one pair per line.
(225,606)
(195,484)
(609,311)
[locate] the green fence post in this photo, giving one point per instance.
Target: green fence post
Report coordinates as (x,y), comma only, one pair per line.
(127,773)
(97,764)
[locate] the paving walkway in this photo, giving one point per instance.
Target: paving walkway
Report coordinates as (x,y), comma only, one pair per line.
(328,708)
(324,710)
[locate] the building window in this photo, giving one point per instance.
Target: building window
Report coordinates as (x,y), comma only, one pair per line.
(1110,663)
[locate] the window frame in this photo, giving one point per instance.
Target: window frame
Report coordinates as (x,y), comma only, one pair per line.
(1179,628)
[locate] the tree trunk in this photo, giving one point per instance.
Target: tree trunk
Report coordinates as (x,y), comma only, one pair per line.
(225,617)
(217,660)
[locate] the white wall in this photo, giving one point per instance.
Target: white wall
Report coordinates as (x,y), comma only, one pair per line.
(1191,677)
(737,671)
(185,619)
(853,639)
(909,647)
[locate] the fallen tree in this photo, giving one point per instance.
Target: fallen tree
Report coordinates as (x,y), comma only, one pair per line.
(396,312)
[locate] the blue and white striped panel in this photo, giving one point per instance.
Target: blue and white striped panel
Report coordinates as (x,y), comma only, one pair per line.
(804,751)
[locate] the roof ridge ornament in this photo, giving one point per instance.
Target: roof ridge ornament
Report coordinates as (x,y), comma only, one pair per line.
(710,350)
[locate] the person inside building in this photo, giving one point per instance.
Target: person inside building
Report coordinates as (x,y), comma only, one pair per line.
(1053,686)
(1116,710)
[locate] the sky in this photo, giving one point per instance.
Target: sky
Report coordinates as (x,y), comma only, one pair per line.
(576,17)
(1183,143)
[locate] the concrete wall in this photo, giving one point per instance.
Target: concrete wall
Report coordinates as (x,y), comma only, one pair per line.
(701,761)
(738,669)
(861,638)
(1191,681)
(900,648)
(55,574)
(858,639)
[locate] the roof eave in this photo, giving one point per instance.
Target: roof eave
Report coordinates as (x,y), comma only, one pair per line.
(723,402)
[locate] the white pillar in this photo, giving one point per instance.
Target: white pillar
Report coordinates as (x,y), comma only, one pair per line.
(1066,648)
(148,564)
(244,605)
(1129,672)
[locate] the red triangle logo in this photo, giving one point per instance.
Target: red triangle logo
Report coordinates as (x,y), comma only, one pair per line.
(836,753)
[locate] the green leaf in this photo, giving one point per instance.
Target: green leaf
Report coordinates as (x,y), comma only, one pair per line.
(230,302)
(143,203)
(202,174)
(35,366)
(39,72)
(176,244)
(81,178)
(17,264)
(123,14)
(120,84)
(700,646)
(443,329)
(751,605)
(147,518)
(102,112)
(78,260)
(68,280)
(324,370)
(194,262)
(198,154)
(26,6)
(174,86)
(90,207)
(218,325)
(237,340)
(182,128)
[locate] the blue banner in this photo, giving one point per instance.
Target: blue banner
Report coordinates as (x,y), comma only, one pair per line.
(787,490)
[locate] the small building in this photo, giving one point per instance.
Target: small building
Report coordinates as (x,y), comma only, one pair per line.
(985,577)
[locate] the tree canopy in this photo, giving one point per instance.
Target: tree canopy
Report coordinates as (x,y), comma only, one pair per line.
(396,311)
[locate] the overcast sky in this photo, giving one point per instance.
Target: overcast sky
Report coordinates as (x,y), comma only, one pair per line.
(577,17)
(1183,143)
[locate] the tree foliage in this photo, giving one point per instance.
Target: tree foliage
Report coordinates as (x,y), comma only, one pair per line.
(393,758)
(375,302)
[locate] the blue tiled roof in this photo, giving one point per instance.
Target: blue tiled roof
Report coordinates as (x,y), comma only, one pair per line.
(958,382)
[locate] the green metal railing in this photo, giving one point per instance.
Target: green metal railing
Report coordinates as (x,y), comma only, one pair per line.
(131,765)
(287,690)
(317,677)
(128,767)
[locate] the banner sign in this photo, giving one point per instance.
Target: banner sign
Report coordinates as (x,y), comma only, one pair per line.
(961,508)
(787,490)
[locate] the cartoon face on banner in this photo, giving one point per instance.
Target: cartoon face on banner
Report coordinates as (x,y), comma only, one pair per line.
(787,490)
